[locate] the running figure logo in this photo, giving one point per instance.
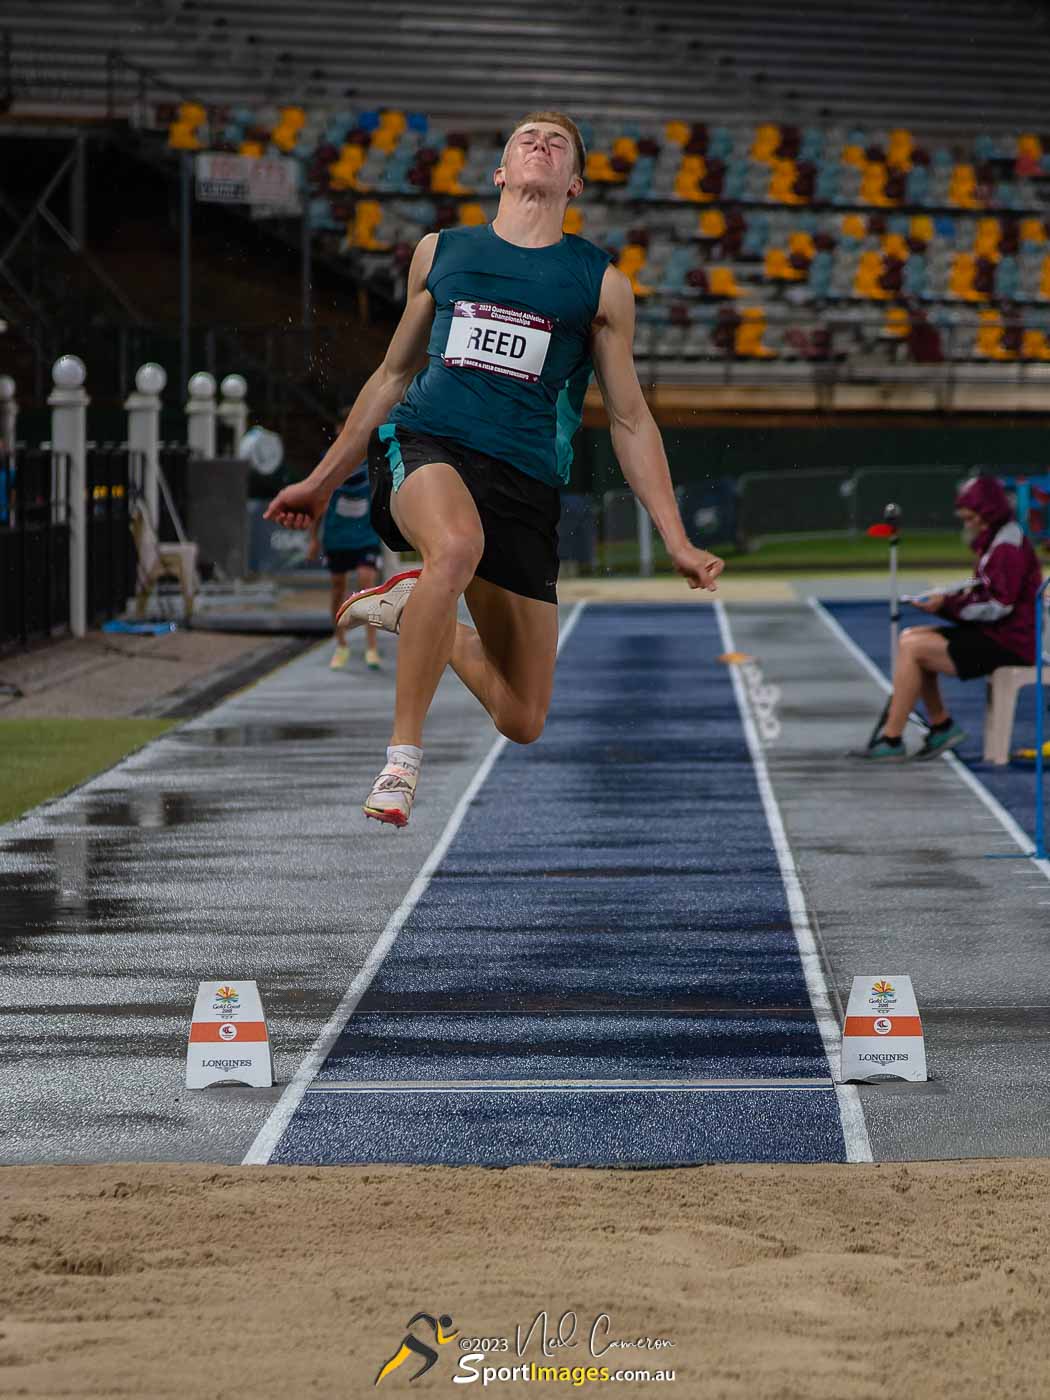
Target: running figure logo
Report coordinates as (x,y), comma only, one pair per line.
(443,1332)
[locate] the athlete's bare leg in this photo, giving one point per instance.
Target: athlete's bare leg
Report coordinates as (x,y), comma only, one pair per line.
(367,577)
(508,663)
(437,515)
(338,595)
(921,657)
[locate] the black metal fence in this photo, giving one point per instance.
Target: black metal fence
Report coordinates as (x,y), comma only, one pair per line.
(34,547)
(111,555)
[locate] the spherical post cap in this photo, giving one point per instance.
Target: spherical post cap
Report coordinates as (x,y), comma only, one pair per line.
(202,385)
(150,378)
(234,386)
(68,372)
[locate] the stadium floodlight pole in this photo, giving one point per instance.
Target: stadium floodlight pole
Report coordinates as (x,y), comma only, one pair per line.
(890,530)
(1040,715)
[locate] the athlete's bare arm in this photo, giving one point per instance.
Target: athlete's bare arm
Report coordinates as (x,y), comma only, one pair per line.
(299,505)
(636,439)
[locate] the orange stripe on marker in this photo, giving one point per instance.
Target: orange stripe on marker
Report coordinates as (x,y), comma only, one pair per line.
(899,1025)
(209,1031)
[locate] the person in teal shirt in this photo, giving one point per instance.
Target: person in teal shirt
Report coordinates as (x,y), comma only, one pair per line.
(351,546)
(466,457)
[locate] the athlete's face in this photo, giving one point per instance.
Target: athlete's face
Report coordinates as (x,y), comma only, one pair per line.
(540,156)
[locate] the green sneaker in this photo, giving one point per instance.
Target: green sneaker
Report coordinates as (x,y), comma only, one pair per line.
(939,743)
(881,752)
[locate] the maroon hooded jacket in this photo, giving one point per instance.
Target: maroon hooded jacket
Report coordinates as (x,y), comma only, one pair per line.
(1000,598)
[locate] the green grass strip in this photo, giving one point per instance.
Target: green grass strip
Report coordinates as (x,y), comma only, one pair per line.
(42,758)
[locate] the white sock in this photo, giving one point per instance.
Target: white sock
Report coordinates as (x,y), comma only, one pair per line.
(405,756)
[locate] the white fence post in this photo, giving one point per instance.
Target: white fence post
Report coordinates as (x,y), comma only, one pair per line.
(233,411)
(68,402)
(8,415)
(200,415)
(143,408)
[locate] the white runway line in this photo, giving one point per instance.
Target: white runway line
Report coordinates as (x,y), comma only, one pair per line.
(1019,837)
(854,1129)
(271,1131)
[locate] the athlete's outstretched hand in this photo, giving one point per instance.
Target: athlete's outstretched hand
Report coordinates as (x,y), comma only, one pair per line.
(698,567)
(298,506)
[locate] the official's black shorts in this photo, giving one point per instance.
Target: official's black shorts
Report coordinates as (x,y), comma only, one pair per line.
(345,561)
(974,653)
(519,514)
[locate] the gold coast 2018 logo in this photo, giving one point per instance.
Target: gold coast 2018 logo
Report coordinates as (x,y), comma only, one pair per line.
(412,1348)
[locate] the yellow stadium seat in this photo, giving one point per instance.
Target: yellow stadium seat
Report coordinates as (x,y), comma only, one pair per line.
(854,155)
(960,277)
(986,242)
(627,148)
(444,178)
(866,279)
(184,133)
(361,230)
(873,184)
(782,177)
(251,148)
(802,242)
(286,133)
(712,224)
(899,149)
(854,226)
(1034,346)
(687,181)
(1033,231)
(343,172)
(677,133)
(894,245)
(767,139)
(897,323)
(472,215)
(989,342)
(1044,281)
(962,191)
(777,267)
(721,282)
(921,227)
(599,168)
(572,223)
(1028,144)
(747,339)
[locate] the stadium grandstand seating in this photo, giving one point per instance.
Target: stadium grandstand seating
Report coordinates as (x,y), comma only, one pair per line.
(825,61)
(854,218)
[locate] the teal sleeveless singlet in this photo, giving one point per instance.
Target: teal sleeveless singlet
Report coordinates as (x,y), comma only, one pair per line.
(509,353)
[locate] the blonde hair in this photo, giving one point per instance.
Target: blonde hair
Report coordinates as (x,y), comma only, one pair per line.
(556,119)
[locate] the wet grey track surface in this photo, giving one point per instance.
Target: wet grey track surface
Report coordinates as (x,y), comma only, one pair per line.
(234,847)
(894,870)
(230,848)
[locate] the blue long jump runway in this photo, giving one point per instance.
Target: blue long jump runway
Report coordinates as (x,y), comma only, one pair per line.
(602,969)
(1014,787)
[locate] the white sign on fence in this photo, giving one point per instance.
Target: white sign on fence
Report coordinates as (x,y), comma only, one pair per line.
(270,183)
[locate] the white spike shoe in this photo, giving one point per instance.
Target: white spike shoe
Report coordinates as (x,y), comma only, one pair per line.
(380,606)
(392,793)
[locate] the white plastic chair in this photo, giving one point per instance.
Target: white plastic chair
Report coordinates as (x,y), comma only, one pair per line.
(1003,687)
(155,560)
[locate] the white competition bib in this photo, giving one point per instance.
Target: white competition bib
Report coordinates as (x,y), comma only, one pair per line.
(498,339)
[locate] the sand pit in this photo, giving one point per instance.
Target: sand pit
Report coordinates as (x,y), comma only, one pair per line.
(926,1280)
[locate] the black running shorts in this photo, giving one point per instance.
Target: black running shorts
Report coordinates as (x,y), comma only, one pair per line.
(519,514)
(974,653)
